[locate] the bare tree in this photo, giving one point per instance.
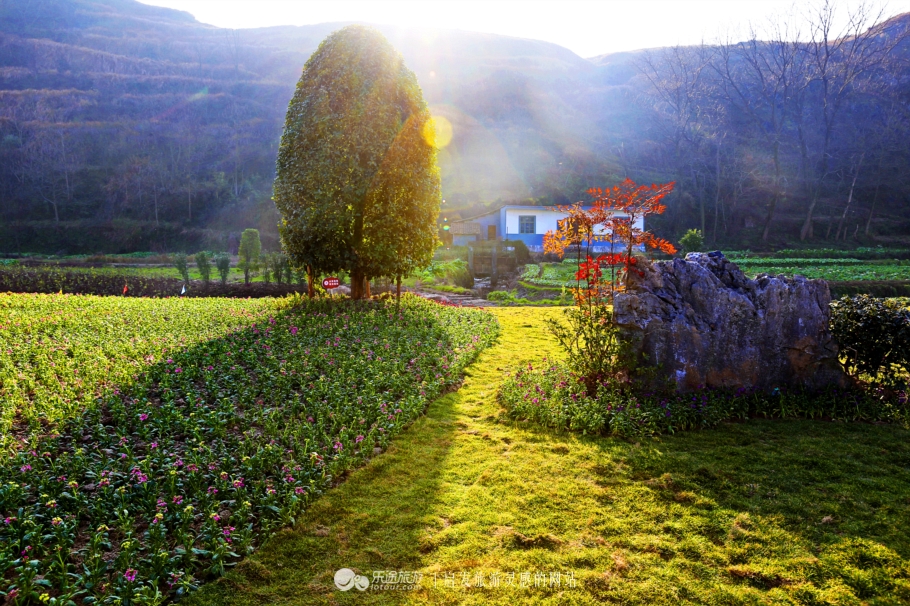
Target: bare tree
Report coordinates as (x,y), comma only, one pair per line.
(759,79)
(840,64)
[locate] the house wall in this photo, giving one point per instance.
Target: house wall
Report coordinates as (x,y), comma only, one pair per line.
(547,220)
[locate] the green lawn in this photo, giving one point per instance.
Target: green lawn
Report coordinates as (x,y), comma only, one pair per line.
(790,512)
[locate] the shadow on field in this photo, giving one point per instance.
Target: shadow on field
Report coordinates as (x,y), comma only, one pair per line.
(780,501)
(375,520)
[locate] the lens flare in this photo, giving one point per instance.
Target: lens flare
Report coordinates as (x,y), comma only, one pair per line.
(438,132)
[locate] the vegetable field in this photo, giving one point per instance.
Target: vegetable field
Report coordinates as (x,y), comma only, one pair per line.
(152,443)
(831,269)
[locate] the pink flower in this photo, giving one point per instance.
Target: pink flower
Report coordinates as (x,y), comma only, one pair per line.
(143,417)
(299,490)
(25,468)
(338,446)
(178,370)
(238,483)
(358,439)
(130,574)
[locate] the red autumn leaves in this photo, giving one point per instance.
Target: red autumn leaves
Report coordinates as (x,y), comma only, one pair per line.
(613,220)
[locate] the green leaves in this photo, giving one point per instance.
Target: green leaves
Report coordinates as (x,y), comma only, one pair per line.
(873,335)
(357,183)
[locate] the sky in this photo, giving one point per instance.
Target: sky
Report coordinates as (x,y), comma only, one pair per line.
(587,27)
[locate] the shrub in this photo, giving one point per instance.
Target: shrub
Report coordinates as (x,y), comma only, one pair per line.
(692,241)
(181,264)
(249,250)
(873,335)
(204,266)
(223,265)
(555,396)
(278,262)
(267,268)
(522,254)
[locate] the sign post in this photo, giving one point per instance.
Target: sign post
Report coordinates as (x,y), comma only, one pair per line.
(330,283)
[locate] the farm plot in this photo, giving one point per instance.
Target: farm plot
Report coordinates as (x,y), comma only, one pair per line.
(833,270)
(183,453)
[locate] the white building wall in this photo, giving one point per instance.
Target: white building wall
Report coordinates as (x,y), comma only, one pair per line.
(547,220)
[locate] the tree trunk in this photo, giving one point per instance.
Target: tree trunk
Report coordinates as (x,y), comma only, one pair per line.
(398,291)
(357,284)
(716,192)
(310,288)
(843,217)
(872,209)
(776,198)
(366,288)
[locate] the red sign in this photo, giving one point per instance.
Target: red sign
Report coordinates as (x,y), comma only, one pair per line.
(331,283)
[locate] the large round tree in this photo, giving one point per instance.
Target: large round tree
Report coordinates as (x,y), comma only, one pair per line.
(357,182)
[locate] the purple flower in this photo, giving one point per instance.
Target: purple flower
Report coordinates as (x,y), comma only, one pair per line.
(299,490)
(130,574)
(143,417)
(293,330)
(177,500)
(178,370)
(358,439)
(25,468)
(338,446)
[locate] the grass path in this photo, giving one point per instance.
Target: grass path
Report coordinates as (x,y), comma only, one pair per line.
(752,513)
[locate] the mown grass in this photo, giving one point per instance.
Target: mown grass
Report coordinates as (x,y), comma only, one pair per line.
(750,513)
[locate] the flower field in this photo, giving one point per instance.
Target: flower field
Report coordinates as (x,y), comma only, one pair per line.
(151,443)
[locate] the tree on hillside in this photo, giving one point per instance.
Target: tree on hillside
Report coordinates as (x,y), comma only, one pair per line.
(357,183)
(249,250)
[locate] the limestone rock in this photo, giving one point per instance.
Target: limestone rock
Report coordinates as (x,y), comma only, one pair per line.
(703,323)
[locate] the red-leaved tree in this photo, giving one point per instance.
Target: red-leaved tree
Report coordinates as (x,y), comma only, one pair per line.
(596,353)
(613,220)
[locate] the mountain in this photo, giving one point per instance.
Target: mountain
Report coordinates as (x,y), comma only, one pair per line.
(114,110)
(127,126)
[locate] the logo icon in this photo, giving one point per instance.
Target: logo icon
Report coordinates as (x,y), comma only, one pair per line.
(346,578)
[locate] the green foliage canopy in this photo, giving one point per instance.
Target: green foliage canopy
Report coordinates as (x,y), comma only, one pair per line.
(249,250)
(357,184)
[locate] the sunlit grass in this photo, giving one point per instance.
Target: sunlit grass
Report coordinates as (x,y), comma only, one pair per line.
(749,513)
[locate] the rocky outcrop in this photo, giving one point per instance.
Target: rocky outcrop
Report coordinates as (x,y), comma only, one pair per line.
(701,322)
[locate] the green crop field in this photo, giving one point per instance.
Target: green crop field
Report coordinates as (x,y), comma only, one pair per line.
(152,442)
(831,269)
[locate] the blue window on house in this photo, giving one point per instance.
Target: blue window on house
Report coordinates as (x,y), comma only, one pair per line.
(527,224)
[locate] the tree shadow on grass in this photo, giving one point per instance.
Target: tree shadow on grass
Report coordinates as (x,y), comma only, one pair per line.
(815,509)
(230,426)
(374,521)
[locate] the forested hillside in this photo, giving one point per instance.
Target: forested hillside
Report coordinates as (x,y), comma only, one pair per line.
(125,126)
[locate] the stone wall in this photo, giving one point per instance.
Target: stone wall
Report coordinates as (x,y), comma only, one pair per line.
(703,323)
